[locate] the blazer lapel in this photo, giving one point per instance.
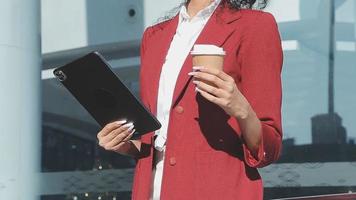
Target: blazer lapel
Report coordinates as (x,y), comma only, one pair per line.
(162,38)
(216,32)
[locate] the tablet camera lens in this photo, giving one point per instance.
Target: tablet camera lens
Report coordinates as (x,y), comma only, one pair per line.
(60,75)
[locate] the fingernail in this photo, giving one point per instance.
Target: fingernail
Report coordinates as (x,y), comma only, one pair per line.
(130,128)
(128,125)
(198,67)
(133,131)
(121,122)
(196,89)
(191,73)
(195,82)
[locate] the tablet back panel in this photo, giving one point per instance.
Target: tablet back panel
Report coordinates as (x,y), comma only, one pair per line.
(103,95)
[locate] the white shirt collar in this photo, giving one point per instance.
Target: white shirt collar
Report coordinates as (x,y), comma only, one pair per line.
(202,14)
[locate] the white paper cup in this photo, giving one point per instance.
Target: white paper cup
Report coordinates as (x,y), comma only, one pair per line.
(209,56)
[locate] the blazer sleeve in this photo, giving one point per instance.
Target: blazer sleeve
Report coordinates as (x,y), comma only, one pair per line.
(260,59)
(143,48)
(145,146)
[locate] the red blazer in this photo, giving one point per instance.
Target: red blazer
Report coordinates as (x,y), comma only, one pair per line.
(206,157)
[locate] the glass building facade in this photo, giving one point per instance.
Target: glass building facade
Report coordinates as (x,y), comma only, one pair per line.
(319,97)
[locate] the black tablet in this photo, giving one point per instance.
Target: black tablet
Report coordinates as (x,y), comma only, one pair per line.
(91,81)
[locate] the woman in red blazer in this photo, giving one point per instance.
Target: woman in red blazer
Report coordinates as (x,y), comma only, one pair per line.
(219,135)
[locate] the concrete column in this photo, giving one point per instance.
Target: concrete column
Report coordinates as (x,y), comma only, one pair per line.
(354,12)
(20,94)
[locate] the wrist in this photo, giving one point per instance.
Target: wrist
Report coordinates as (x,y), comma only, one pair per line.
(245,113)
(123,149)
(130,148)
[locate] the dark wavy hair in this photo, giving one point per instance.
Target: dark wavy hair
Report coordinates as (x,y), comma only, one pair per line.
(232,4)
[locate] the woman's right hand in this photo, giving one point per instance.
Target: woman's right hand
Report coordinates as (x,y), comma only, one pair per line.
(114,135)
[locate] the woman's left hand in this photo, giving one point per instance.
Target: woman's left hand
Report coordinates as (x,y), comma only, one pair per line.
(224,93)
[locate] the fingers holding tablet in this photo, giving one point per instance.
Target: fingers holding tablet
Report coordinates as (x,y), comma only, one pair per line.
(114,134)
(110,127)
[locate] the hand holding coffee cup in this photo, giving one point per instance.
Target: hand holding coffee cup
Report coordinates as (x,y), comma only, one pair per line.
(214,84)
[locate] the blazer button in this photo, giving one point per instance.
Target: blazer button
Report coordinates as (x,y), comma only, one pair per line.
(172,161)
(179,109)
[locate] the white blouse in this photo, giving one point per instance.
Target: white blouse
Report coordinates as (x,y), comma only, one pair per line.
(187,32)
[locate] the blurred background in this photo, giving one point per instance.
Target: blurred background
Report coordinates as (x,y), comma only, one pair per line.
(48,141)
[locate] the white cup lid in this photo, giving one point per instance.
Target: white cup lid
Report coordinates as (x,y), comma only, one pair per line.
(207,49)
